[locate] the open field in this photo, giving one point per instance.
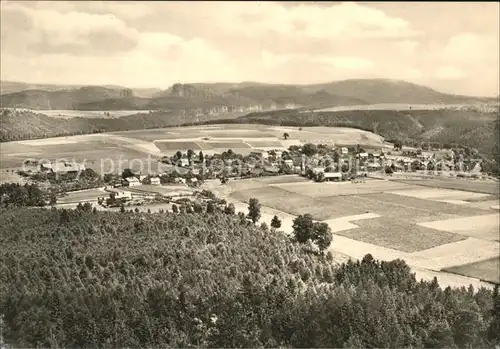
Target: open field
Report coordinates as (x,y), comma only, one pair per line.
(265,144)
(392,106)
(90,113)
(485,227)
(224,145)
(139,144)
(92,152)
(439,194)
(90,195)
(281,179)
(487,270)
(325,189)
(166,190)
(173,146)
(284,201)
(477,186)
(458,253)
(381,223)
(399,235)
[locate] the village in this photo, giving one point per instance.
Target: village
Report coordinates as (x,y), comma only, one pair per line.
(179,175)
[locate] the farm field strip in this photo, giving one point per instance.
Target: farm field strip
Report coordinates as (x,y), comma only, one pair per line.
(487,270)
(281,179)
(344,223)
(485,227)
(162,190)
(455,184)
(297,204)
(358,249)
(462,252)
(399,235)
(414,203)
(177,145)
(439,194)
(327,189)
(225,145)
(486,205)
(268,144)
(82,196)
(455,202)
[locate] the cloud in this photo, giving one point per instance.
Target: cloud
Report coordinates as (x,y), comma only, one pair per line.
(450,73)
(406,46)
(351,63)
(270,59)
(156,43)
(344,20)
(46,30)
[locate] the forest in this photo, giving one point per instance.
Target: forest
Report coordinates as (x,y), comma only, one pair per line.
(84,278)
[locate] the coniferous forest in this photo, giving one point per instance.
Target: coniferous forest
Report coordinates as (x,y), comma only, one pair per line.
(81,278)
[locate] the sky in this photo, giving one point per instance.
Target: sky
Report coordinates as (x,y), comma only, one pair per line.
(451,47)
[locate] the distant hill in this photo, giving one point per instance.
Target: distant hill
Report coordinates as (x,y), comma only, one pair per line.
(7,87)
(375,91)
(473,127)
(226,95)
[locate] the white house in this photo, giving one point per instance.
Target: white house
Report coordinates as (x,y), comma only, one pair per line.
(132,181)
(122,195)
(184,162)
(344,150)
(288,162)
(332,176)
(155,181)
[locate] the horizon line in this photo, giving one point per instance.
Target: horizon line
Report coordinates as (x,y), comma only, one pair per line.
(71,85)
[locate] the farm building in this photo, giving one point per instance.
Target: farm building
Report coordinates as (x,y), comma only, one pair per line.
(180,180)
(344,150)
(332,176)
(122,195)
(184,162)
(155,181)
(131,181)
(288,162)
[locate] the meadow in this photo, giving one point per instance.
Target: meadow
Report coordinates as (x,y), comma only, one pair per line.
(128,145)
(486,187)
(91,113)
(389,218)
(392,106)
(487,270)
